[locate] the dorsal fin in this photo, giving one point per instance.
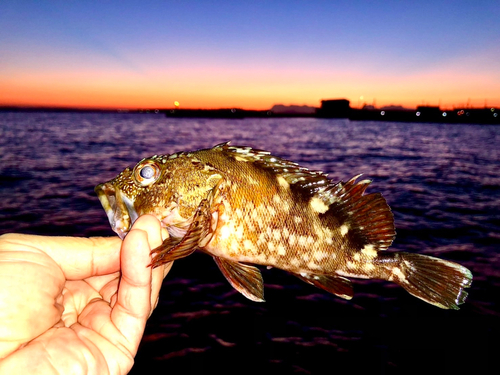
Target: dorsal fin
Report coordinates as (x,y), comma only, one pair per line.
(368,217)
(300,178)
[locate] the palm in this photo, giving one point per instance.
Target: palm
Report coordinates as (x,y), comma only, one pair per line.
(86,330)
(60,319)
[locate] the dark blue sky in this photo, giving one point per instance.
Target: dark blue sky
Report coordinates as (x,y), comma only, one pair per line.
(254,54)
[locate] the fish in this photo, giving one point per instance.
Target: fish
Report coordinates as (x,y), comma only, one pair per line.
(248,208)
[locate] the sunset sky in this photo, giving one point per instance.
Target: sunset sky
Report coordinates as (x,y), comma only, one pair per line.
(252,55)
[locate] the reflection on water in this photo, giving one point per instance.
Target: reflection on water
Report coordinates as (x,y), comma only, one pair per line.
(441,181)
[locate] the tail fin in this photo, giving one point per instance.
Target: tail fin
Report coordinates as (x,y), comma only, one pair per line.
(436,281)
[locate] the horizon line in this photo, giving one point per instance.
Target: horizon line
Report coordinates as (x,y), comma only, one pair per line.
(166,109)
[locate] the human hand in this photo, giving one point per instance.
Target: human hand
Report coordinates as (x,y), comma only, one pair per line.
(73,305)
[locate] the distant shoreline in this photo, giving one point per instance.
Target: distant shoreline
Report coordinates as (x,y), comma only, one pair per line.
(421,114)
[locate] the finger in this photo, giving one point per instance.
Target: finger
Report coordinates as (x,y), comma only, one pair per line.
(133,303)
(160,272)
(156,236)
(100,283)
(77,295)
(77,257)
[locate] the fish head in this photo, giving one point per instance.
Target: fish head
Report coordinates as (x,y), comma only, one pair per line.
(135,192)
(169,187)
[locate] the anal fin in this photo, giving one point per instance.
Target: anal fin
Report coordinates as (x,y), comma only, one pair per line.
(244,278)
(338,285)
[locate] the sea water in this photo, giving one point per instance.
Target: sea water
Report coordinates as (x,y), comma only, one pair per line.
(441,181)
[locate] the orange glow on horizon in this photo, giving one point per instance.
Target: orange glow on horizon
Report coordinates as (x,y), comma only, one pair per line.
(253,89)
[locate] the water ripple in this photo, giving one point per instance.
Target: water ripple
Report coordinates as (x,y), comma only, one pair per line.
(441,181)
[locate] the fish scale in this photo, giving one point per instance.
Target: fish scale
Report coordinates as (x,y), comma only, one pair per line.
(247,207)
(273,248)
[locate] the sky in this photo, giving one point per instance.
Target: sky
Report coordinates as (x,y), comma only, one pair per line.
(249,54)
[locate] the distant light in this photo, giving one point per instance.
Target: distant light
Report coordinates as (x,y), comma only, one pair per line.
(492,109)
(382,113)
(176,103)
(445,114)
(495,114)
(418,114)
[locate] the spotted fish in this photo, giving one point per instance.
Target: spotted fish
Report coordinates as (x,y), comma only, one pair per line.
(246,207)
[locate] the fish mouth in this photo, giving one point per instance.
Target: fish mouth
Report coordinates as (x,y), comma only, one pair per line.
(118,207)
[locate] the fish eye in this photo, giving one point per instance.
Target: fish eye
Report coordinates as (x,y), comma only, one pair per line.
(147,172)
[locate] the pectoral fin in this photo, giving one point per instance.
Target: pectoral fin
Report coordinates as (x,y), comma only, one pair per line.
(340,286)
(244,278)
(175,248)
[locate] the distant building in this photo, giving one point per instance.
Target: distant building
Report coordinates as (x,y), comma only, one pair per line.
(334,108)
(424,111)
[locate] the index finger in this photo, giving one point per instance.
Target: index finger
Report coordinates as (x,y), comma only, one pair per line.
(78,257)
